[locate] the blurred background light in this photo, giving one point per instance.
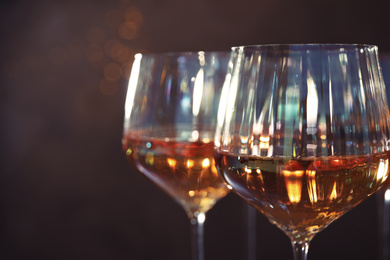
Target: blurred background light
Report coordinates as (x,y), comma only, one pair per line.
(66,188)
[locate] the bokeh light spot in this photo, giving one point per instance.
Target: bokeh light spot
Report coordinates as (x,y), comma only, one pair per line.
(132,14)
(113,48)
(124,54)
(128,30)
(112,71)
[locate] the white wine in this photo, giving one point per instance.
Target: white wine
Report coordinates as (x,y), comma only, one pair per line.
(185,170)
(303,196)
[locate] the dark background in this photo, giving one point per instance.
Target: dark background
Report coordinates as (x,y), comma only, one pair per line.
(66,190)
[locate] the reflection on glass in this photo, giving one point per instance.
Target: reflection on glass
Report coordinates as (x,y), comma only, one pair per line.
(293,181)
(170,120)
(304,133)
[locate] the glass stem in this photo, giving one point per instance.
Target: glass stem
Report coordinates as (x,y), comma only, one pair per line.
(251,231)
(386,227)
(300,248)
(197,236)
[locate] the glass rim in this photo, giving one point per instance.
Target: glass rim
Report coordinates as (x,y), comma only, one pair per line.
(308,46)
(181,53)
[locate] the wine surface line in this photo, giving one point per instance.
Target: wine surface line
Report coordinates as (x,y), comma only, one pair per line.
(303,196)
(184,169)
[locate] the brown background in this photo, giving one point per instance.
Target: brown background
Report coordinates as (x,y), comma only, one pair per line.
(66,190)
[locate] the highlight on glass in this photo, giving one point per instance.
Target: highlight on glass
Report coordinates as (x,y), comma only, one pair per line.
(169,125)
(303,133)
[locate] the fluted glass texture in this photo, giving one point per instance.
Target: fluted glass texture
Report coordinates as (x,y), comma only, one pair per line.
(169,124)
(170,120)
(303,131)
(308,100)
(179,90)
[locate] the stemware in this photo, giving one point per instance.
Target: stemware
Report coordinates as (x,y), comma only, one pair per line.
(383,197)
(169,126)
(303,133)
(383,202)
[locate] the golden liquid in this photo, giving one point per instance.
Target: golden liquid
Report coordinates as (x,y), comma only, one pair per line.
(185,170)
(303,196)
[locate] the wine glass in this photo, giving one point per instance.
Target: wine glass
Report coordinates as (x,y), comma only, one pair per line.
(383,197)
(303,133)
(169,126)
